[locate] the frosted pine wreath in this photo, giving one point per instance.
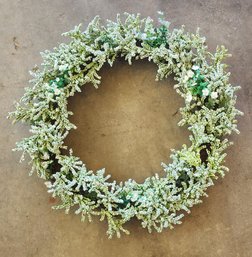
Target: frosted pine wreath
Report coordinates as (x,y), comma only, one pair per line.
(209,113)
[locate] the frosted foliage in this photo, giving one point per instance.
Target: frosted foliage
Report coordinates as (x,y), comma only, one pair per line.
(209,113)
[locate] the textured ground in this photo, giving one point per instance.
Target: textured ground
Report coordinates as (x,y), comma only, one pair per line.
(128,126)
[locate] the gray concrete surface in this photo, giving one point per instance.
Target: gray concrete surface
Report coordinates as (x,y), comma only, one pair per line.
(128,126)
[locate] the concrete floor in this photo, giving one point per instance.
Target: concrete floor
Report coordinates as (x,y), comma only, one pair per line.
(127,126)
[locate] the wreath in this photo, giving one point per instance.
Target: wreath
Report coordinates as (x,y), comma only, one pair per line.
(209,113)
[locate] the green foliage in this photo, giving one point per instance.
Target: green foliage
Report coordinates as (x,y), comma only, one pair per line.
(60,81)
(158,38)
(198,83)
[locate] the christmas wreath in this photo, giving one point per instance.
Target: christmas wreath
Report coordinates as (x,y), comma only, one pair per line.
(209,113)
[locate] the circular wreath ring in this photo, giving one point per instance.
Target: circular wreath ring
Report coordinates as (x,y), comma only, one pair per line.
(209,113)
